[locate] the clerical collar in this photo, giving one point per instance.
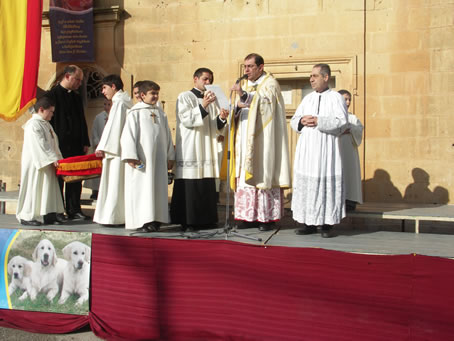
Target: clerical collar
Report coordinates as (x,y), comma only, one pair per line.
(198,93)
(323,90)
(68,90)
(257,81)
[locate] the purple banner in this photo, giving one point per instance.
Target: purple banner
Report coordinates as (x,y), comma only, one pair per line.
(71,29)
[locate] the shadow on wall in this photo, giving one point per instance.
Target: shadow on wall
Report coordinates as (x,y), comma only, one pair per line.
(381,189)
(419,191)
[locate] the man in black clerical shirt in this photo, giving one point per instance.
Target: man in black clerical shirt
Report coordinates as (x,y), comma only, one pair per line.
(199,122)
(71,128)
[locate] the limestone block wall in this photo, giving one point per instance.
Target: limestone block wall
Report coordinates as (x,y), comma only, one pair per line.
(408,96)
(402,79)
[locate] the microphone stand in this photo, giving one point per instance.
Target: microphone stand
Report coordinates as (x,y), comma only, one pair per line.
(229,229)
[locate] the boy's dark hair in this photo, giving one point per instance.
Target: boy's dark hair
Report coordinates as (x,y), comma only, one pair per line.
(137,84)
(44,102)
(343,92)
(324,69)
(146,86)
(198,73)
(258,59)
(113,79)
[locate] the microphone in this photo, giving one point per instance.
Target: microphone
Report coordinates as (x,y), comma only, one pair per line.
(241,78)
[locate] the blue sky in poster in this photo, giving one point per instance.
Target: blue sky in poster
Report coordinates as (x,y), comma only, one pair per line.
(6,236)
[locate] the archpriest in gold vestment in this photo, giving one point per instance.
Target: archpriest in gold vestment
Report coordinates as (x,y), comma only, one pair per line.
(259,167)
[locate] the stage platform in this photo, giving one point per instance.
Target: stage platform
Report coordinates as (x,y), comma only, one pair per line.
(372,280)
(355,234)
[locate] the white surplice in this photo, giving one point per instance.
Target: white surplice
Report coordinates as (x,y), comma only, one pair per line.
(110,207)
(349,143)
(196,139)
(39,192)
(96,132)
(146,137)
(197,165)
(318,193)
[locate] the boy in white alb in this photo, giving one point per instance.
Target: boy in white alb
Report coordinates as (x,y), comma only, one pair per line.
(147,147)
(96,132)
(349,142)
(39,193)
(110,208)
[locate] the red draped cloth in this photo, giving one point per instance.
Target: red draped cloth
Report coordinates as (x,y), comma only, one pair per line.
(81,167)
(158,289)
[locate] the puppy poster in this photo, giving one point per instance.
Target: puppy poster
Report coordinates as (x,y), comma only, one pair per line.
(45,271)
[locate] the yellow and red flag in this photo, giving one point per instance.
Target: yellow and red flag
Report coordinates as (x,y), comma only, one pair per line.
(20,42)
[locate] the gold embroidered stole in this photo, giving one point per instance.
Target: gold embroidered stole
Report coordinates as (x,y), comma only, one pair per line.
(251,131)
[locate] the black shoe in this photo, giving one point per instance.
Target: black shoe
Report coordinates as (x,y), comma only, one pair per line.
(153,226)
(60,217)
(51,218)
(30,222)
(143,229)
(327,231)
(78,216)
(266,227)
(247,225)
(94,195)
(350,205)
(306,229)
(188,228)
(156,225)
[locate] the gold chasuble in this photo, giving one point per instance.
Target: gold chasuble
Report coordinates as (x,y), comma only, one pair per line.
(267,158)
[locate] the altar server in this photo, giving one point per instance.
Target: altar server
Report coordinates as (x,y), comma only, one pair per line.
(39,193)
(96,132)
(199,121)
(349,142)
(147,147)
(110,208)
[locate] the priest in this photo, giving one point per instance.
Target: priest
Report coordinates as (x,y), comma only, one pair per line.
(318,190)
(260,168)
(71,128)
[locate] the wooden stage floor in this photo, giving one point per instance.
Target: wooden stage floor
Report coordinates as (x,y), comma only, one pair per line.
(354,234)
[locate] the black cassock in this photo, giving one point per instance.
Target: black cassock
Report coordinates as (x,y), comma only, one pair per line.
(71,128)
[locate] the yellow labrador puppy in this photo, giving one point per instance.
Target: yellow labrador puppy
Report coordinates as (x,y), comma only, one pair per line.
(76,276)
(20,269)
(47,270)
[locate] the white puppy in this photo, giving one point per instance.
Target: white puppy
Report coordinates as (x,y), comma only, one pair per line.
(20,268)
(47,270)
(76,277)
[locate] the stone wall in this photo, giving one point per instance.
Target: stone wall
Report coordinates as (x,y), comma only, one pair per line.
(401,54)
(408,101)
